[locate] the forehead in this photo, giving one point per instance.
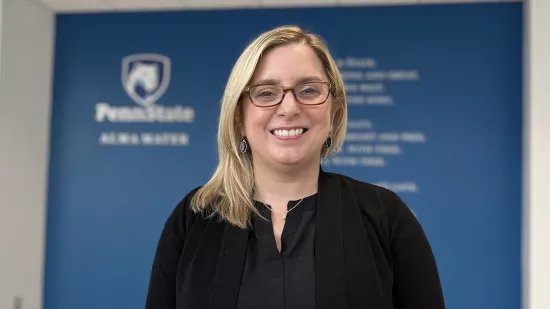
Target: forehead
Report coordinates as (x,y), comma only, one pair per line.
(288,64)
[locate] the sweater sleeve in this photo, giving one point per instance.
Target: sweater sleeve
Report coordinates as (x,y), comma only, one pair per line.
(162,283)
(416,278)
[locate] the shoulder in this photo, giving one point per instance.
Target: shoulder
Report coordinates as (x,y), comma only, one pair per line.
(182,214)
(373,199)
(183,206)
(382,209)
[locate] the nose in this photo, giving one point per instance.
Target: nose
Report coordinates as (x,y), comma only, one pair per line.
(289,107)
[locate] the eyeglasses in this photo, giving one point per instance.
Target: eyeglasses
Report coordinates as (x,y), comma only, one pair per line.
(267,95)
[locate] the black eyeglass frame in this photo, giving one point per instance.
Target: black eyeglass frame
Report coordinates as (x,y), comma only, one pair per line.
(291,89)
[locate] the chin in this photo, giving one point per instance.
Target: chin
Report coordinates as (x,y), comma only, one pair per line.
(289,159)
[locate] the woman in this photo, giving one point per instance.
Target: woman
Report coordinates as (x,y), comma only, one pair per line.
(271,229)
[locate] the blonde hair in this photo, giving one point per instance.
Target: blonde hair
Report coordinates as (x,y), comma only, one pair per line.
(228,193)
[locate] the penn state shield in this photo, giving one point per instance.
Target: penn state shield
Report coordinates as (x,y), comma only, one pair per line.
(145,77)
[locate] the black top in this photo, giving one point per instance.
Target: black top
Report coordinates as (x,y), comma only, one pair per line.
(286,279)
(370,252)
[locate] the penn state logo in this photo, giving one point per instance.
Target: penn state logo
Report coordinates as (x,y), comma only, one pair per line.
(145,77)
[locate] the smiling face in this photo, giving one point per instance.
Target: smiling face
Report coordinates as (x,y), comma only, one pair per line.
(290,133)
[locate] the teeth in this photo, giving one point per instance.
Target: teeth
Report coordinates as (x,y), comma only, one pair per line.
(292,132)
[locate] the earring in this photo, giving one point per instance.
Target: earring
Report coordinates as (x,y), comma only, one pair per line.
(244,145)
(328,142)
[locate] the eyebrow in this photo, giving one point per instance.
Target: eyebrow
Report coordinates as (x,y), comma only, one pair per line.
(301,80)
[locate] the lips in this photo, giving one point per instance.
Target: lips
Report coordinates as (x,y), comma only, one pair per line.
(289,132)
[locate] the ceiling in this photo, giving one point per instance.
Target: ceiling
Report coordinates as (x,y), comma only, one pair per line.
(144,5)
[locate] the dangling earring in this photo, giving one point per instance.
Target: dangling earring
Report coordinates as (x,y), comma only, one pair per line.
(244,145)
(328,142)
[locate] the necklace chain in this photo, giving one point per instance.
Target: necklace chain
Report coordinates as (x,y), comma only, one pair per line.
(278,214)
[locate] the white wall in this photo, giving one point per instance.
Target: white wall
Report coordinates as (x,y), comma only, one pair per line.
(537,155)
(1,19)
(26,54)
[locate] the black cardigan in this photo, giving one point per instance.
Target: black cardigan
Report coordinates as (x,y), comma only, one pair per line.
(370,252)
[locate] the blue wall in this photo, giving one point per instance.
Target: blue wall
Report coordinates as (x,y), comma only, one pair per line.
(435,102)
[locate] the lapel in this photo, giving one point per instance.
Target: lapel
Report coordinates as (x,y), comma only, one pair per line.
(345,267)
(330,278)
(227,280)
(211,265)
